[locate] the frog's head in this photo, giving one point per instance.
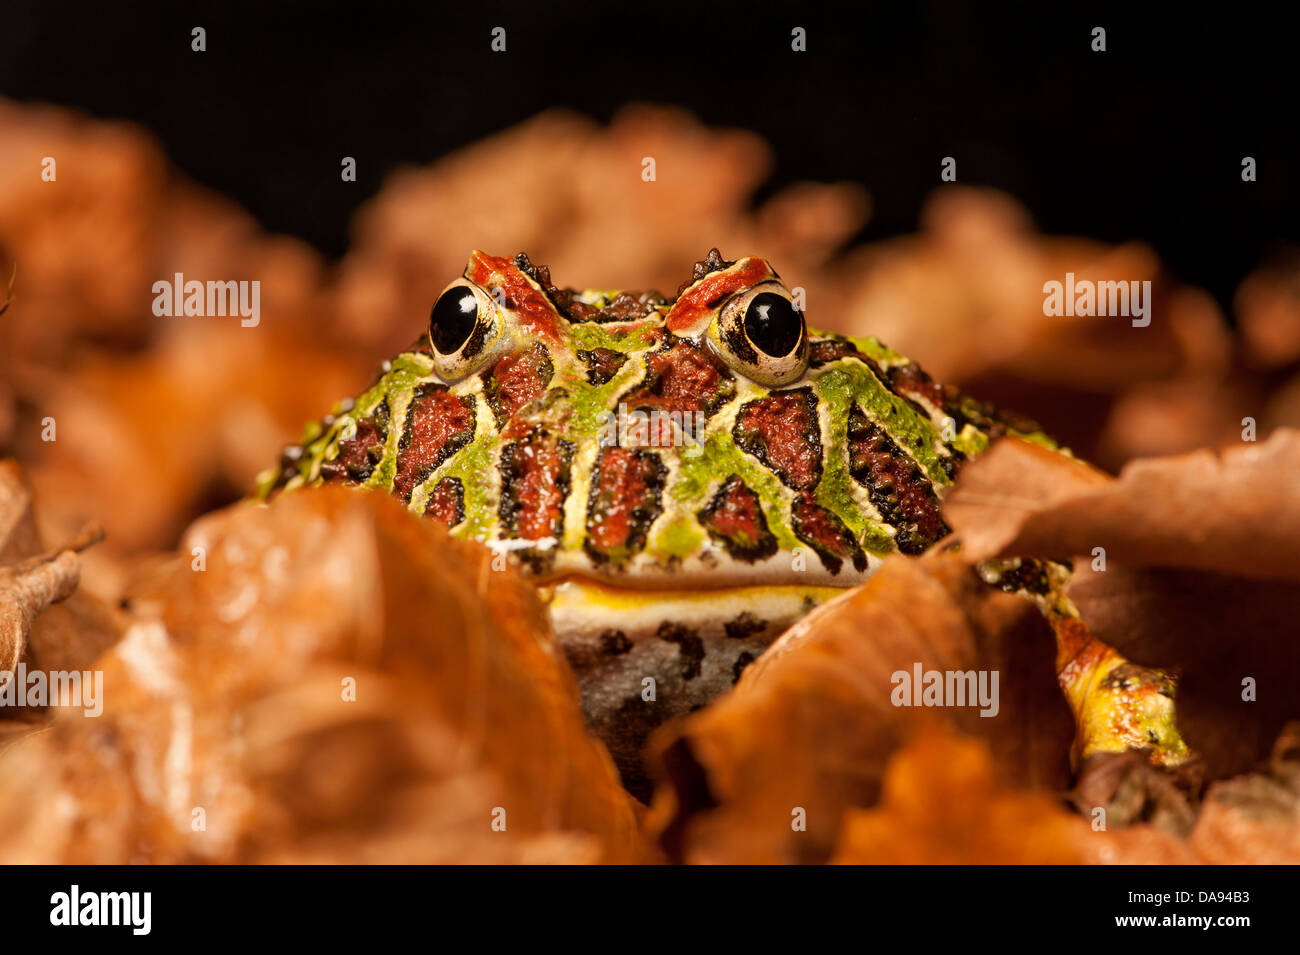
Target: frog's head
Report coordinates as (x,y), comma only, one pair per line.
(708,440)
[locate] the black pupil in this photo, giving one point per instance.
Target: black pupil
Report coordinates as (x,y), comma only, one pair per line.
(772,324)
(453,318)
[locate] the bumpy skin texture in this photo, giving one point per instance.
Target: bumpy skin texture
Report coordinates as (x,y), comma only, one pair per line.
(845,463)
(706,479)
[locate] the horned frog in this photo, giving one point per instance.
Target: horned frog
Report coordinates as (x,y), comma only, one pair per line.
(682,477)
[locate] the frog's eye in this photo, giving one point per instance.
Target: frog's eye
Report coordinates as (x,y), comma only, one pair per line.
(762,335)
(462,328)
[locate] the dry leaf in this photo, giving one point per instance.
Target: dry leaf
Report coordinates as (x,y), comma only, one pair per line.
(329,679)
(811,722)
(943,805)
(64,637)
(1201,559)
(1235,512)
(169,433)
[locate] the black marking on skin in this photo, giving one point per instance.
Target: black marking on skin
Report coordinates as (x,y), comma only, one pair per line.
(492,384)
(510,506)
(541,274)
(751,441)
(614,643)
(643,514)
(826,349)
(602,364)
(762,548)
(458,495)
(1028,575)
(830,560)
(733,336)
(823,351)
(745,625)
(373,428)
(624,305)
(885,494)
(654,381)
(689,644)
(742,661)
(453,446)
(993,421)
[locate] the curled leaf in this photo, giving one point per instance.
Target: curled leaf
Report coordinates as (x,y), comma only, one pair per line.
(807,731)
(33,579)
(1188,563)
(944,805)
(327,679)
(1235,512)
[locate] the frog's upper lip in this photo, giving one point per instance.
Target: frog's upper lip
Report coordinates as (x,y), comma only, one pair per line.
(706,569)
(696,580)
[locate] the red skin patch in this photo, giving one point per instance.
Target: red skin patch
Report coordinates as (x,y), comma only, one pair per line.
(684,378)
(826,533)
(534,311)
(911,380)
(446,504)
(694,308)
(516,380)
(624,501)
(896,486)
(781,431)
(736,516)
(621,487)
(439,424)
(535,471)
(354,454)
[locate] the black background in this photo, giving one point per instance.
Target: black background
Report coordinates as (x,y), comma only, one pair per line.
(1143,141)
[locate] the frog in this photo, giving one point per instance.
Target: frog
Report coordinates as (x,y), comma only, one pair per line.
(682,477)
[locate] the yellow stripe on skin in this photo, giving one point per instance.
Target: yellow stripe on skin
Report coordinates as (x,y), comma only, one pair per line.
(579,604)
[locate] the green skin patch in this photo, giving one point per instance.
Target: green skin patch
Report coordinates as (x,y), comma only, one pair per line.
(640,529)
(580,410)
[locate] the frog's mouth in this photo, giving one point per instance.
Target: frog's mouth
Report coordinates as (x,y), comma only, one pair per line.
(583,609)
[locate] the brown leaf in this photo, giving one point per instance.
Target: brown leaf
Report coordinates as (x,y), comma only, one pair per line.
(26,592)
(1235,511)
(1255,818)
(146,442)
(32,580)
(1215,631)
(945,804)
(1202,552)
(811,723)
(230,695)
